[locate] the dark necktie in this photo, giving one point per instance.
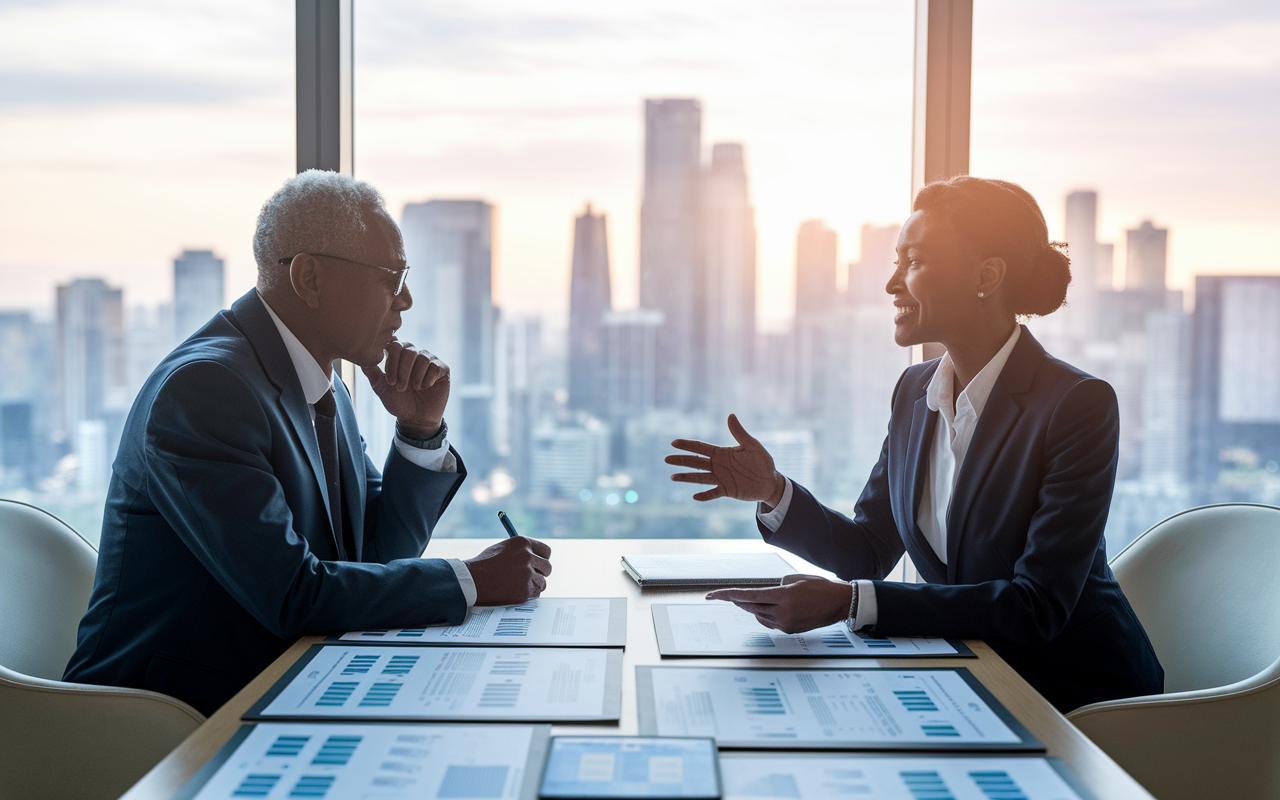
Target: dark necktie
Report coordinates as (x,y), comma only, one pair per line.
(327,434)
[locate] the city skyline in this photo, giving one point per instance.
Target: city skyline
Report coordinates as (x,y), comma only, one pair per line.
(528,132)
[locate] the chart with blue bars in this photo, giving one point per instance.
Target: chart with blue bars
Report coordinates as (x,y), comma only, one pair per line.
(815,776)
(389,761)
(542,622)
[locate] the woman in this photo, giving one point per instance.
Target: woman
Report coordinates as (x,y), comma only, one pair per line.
(995,477)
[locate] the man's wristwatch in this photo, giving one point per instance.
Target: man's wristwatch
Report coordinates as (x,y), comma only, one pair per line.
(433,443)
(852,619)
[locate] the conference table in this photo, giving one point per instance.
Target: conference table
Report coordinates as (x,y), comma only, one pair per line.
(592,568)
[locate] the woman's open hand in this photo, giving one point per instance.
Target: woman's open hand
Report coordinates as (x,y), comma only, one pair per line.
(744,472)
(801,603)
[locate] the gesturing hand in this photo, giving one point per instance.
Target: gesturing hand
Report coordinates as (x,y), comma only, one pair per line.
(802,603)
(414,389)
(744,472)
(510,571)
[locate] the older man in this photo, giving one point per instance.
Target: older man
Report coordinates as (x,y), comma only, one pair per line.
(243,511)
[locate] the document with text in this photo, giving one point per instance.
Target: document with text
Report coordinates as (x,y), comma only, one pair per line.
(390,762)
(541,622)
(923,709)
(723,629)
(820,776)
(396,682)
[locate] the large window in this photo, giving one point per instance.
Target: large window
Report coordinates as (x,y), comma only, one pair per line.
(1144,133)
(627,221)
(137,142)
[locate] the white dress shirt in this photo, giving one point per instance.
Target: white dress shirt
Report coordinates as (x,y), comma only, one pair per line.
(957,418)
(314,386)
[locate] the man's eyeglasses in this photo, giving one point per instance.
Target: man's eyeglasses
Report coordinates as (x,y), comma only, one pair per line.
(399,273)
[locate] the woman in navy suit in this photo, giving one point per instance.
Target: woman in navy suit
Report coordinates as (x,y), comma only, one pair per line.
(995,477)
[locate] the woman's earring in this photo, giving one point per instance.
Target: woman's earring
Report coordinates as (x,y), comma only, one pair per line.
(980,295)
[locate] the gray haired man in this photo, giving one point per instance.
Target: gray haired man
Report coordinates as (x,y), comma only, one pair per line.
(243,510)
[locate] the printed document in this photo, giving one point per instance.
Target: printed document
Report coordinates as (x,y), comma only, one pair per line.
(447,683)
(547,621)
(389,762)
(819,777)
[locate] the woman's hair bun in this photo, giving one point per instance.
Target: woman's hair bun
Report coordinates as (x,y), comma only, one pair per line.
(999,219)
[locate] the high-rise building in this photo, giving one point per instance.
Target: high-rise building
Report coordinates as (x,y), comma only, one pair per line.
(631,361)
(589,301)
(449,244)
(670,275)
(729,268)
(1146,259)
(1166,398)
(197,290)
(568,457)
(1066,330)
(92,377)
(1235,373)
(1104,265)
(869,275)
(517,374)
(816,256)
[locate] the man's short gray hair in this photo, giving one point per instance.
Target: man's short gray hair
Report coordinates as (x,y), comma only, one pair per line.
(317,212)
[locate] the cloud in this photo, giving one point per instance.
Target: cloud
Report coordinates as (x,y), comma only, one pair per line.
(83,89)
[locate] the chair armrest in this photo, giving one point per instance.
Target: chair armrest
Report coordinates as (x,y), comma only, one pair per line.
(75,740)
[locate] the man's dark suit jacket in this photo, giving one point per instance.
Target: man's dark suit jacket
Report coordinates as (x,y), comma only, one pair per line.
(217,550)
(1026,566)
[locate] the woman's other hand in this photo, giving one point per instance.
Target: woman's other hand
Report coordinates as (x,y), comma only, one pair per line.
(801,603)
(744,472)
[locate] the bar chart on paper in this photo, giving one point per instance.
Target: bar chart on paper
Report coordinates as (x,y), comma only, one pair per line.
(442,683)
(929,709)
(818,776)
(541,622)
(387,761)
(723,629)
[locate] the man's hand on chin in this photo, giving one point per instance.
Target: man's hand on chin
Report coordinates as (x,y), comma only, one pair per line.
(414,388)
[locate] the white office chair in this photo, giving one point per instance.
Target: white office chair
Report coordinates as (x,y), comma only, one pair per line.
(57,739)
(1206,585)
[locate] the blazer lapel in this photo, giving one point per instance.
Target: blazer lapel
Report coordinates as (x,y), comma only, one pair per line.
(352,466)
(923,424)
(999,416)
(258,328)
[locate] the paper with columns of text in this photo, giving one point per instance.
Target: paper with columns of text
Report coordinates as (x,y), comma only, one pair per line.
(376,682)
(390,762)
(723,629)
(541,622)
(818,776)
(895,709)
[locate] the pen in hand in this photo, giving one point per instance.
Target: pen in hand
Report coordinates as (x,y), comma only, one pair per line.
(506,523)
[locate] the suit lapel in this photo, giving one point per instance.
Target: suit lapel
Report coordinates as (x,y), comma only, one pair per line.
(351,461)
(255,322)
(999,416)
(923,424)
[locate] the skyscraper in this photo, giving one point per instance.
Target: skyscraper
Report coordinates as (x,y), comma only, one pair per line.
(449,245)
(1235,373)
(92,376)
(670,275)
(816,248)
(197,290)
(1146,257)
(729,267)
(869,275)
(589,300)
(1081,228)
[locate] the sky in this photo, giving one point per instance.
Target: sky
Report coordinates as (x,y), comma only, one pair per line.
(132,129)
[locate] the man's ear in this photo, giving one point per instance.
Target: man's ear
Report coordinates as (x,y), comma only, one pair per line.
(304,275)
(991,275)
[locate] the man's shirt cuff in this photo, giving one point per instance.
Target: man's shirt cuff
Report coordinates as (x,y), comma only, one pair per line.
(773,519)
(438,460)
(868,611)
(465,580)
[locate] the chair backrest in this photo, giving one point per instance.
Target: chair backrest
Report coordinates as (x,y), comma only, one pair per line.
(1206,585)
(46,577)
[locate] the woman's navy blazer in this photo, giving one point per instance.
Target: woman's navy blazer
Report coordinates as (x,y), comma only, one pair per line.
(1026,565)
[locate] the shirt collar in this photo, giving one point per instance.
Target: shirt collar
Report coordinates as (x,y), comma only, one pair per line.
(310,374)
(938,395)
